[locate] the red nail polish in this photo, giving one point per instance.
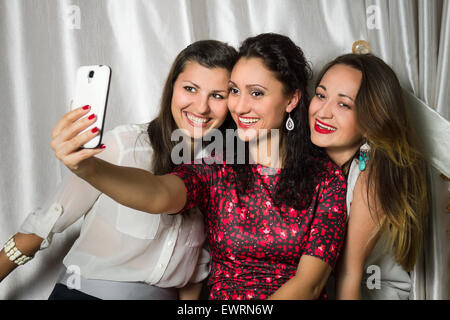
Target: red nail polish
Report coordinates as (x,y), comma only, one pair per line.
(86,107)
(102,146)
(92,116)
(95,130)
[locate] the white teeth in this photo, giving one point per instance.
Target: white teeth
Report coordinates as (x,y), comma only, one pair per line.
(247,121)
(195,119)
(325,127)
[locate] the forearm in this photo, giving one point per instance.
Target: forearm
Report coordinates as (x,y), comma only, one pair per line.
(131,187)
(28,244)
(348,287)
(296,289)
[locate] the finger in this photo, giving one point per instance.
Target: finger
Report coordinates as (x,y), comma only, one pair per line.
(68,147)
(73,160)
(75,128)
(69,118)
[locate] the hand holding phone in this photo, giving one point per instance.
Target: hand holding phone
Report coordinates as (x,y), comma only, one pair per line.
(92,87)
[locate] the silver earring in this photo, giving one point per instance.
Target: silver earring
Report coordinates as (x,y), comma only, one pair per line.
(290,123)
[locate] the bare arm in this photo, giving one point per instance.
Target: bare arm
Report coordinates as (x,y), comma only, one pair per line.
(132,187)
(362,235)
(307,284)
(28,244)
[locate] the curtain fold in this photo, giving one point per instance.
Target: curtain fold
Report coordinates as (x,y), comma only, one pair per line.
(44,41)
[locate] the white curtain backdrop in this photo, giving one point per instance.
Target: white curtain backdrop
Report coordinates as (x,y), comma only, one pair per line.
(42,43)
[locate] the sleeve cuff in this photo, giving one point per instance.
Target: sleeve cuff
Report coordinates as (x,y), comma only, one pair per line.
(41,223)
(202,269)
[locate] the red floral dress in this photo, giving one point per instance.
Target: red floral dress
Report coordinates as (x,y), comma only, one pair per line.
(255,245)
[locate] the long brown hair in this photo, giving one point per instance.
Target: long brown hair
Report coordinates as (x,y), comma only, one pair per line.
(397,167)
(208,53)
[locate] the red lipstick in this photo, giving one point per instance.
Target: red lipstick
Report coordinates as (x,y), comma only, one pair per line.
(321,129)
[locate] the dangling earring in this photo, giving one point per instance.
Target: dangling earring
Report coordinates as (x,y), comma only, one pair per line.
(364,156)
(290,123)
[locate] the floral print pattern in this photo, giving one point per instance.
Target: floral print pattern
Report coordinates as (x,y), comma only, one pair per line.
(255,245)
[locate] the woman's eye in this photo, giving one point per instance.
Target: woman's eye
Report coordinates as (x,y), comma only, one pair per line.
(190,89)
(217,96)
(344,105)
(257,93)
(320,96)
(233,90)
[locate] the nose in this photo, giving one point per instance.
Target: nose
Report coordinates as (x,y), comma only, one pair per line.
(239,105)
(202,105)
(326,110)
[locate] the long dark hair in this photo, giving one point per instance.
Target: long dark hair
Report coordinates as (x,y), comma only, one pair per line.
(287,62)
(396,166)
(208,53)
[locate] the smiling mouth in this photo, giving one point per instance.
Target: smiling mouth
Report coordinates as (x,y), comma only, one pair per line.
(247,122)
(321,127)
(196,121)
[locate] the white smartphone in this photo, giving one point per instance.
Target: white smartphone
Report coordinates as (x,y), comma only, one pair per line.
(92,87)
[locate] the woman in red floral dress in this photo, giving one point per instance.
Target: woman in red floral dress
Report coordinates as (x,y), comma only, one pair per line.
(275,225)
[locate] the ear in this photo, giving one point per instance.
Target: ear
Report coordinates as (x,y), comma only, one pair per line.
(293,100)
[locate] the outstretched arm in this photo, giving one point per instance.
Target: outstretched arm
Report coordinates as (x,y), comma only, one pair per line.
(132,187)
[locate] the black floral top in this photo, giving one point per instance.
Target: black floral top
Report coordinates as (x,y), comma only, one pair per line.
(255,245)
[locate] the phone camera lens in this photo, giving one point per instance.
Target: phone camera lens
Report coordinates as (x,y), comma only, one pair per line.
(91,74)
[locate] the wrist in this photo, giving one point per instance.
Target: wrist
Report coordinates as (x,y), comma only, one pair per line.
(87,169)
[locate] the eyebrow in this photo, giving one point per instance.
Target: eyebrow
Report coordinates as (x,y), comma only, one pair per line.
(248,85)
(339,94)
(198,87)
(193,83)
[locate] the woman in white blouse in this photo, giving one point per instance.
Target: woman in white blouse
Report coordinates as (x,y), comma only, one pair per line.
(122,253)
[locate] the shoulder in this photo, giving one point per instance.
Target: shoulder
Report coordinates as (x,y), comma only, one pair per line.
(126,139)
(130,135)
(332,177)
(129,130)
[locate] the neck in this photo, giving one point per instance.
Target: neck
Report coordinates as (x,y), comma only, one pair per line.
(267,150)
(341,156)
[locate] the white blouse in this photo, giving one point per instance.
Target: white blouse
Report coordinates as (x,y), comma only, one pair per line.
(393,283)
(119,243)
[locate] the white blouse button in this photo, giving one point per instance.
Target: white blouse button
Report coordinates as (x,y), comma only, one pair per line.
(57,207)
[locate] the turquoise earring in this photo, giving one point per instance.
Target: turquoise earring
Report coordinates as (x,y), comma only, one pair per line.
(363,156)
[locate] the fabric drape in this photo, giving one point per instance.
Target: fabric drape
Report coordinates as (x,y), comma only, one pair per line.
(44,41)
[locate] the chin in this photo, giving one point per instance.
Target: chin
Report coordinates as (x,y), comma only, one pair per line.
(319,143)
(247,135)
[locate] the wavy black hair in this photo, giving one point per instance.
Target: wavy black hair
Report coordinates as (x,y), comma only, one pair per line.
(288,64)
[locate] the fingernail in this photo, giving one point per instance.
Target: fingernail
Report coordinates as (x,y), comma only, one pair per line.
(95,130)
(92,116)
(86,107)
(102,146)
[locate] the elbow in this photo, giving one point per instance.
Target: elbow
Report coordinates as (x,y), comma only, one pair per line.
(160,201)
(316,291)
